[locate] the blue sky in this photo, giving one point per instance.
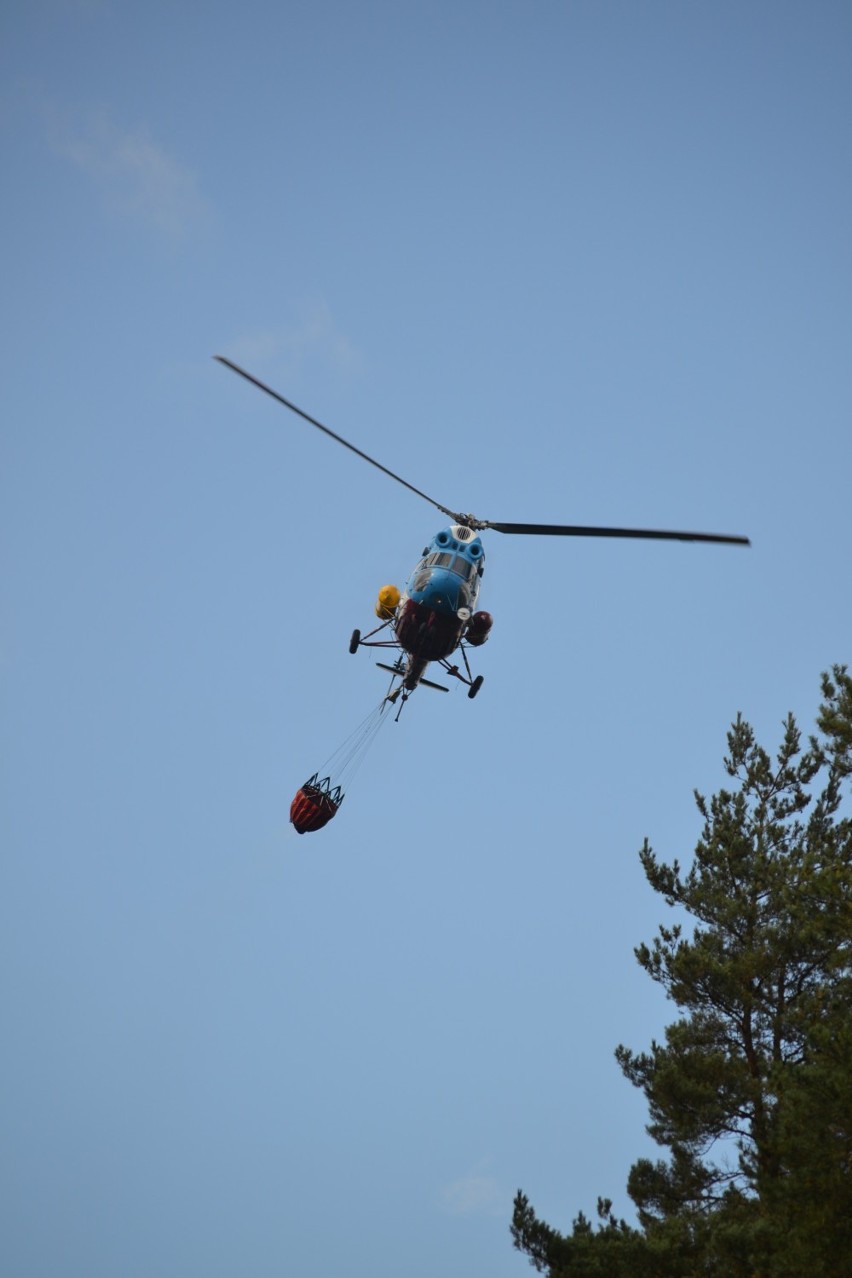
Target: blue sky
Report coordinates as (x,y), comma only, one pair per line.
(557,262)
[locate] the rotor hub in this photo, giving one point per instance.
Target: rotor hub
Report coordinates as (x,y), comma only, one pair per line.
(470,521)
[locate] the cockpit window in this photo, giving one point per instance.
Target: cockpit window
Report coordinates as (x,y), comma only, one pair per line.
(455,563)
(464,567)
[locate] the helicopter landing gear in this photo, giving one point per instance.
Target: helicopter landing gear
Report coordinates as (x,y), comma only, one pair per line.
(355,640)
(472,685)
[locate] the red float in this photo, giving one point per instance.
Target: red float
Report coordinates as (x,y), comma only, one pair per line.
(478,628)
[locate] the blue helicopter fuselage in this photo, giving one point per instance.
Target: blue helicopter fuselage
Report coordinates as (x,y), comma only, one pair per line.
(440,595)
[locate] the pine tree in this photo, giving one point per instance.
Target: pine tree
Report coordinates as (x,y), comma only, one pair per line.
(750,1090)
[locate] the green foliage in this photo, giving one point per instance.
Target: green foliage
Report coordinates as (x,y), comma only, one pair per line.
(613,1250)
(751,1091)
(835,717)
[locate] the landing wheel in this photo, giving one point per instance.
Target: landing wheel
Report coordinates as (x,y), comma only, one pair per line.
(355,640)
(475,686)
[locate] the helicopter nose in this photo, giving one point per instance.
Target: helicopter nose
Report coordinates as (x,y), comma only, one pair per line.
(443,590)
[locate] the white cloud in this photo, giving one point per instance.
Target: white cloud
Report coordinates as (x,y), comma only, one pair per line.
(476,1194)
(314,336)
(136,175)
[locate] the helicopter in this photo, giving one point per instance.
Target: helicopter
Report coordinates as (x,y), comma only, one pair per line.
(436,615)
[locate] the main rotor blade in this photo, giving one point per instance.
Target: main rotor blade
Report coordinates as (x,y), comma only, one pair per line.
(576,530)
(345,442)
(545,530)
